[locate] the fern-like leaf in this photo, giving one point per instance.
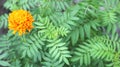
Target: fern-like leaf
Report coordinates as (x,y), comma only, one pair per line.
(32,47)
(50,61)
(59,51)
(101,47)
(3,21)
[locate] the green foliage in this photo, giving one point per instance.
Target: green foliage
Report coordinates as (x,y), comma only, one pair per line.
(85,24)
(3,21)
(21,4)
(56,5)
(99,47)
(16,63)
(3,56)
(59,51)
(51,62)
(109,20)
(66,33)
(48,30)
(32,47)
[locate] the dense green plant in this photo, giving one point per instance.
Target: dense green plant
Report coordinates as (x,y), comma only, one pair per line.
(66,33)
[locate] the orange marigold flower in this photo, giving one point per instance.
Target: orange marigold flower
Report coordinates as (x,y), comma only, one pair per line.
(20,21)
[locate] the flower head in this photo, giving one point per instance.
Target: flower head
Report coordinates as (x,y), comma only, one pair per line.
(20,21)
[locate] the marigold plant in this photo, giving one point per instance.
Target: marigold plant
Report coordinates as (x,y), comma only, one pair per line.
(20,21)
(67,33)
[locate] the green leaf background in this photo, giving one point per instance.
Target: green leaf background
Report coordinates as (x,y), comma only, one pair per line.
(66,33)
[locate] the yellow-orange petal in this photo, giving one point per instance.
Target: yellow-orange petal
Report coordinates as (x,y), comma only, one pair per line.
(20,21)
